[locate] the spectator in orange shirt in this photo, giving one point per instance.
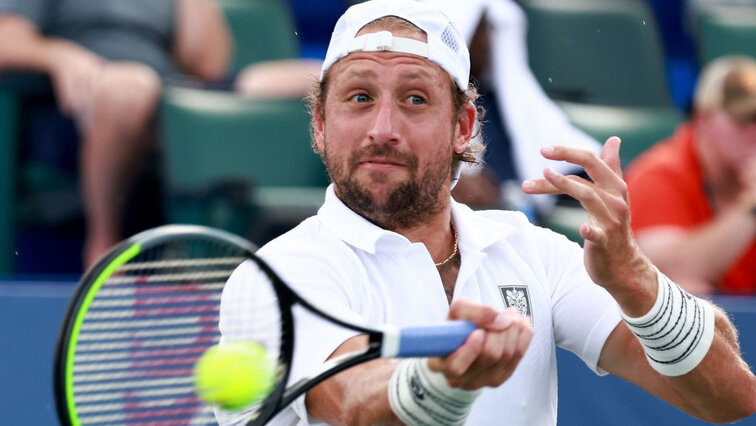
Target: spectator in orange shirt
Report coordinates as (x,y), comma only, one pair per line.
(693,197)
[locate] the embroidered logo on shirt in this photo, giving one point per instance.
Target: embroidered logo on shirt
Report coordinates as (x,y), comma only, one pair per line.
(517,296)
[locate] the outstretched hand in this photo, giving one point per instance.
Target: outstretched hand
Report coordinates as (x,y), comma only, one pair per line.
(612,258)
(491,353)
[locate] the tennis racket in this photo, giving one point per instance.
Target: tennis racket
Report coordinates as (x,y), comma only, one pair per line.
(143,315)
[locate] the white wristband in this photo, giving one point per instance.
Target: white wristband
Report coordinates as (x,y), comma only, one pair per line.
(419,396)
(677,332)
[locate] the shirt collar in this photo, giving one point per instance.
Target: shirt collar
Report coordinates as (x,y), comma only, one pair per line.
(475,231)
(352,228)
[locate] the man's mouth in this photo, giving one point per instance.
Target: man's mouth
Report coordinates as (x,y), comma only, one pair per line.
(381,162)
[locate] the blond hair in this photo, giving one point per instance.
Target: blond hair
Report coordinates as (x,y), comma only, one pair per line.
(710,89)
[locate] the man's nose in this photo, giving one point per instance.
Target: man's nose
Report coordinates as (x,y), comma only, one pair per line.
(384,127)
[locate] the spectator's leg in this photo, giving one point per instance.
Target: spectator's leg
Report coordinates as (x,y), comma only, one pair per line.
(117,132)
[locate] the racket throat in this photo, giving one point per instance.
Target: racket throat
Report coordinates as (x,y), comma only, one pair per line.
(330,368)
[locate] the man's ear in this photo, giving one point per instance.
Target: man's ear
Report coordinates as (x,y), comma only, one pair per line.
(319,127)
(465,128)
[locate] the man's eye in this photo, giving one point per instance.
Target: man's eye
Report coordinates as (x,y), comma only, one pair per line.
(416,100)
(360,98)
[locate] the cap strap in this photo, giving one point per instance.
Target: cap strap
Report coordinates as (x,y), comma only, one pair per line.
(385,41)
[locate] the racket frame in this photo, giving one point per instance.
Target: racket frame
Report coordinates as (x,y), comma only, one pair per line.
(92,281)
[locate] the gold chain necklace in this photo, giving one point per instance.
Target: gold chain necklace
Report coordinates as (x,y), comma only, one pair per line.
(454,252)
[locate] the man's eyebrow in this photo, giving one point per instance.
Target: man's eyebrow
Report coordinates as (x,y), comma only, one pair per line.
(415,74)
(359,72)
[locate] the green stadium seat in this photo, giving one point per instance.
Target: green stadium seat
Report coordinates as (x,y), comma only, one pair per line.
(597,51)
(726,30)
(638,127)
(253,156)
(261,29)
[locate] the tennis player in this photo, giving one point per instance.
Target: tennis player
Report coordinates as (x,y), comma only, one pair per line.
(393,117)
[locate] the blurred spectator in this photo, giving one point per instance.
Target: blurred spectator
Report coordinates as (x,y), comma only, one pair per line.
(107,60)
(520,118)
(288,78)
(693,197)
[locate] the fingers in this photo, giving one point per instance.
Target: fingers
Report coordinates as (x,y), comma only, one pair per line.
(460,361)
(591,198)
(593,233)
(610,155)
(605,199)
(603,173)
(491,353)
(485,317)
(543,186)
(605,170)
(492,358)
(513,349)
(609,246)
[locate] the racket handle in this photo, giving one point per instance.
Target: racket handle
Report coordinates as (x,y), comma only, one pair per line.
(435,340)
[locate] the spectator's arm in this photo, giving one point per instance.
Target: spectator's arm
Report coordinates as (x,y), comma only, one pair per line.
(71,67)
(286,78)
(698,258)
(22,47)
(203,43)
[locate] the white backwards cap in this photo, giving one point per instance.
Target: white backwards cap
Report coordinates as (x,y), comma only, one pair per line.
(445,47)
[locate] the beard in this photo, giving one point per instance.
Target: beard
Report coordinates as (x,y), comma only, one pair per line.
(409,203)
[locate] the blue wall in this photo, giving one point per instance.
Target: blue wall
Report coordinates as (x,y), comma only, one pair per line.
(31,312)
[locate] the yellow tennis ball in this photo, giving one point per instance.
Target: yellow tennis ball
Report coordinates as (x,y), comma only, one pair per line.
(234,375)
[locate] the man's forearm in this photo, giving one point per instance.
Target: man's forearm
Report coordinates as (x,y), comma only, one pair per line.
(355,396)
(722,387)
(685,351)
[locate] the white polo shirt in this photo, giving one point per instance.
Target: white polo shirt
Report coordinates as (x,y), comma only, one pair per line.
(351,268)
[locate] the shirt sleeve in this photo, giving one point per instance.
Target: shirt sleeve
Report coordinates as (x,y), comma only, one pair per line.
(583,313)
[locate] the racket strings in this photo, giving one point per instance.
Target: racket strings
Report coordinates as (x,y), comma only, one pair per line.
(143,333)
(250,311)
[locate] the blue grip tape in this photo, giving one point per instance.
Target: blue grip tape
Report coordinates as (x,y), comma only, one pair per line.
(434,340)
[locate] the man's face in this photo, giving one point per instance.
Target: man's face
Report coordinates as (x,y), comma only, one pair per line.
(389,134)
(735,142)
